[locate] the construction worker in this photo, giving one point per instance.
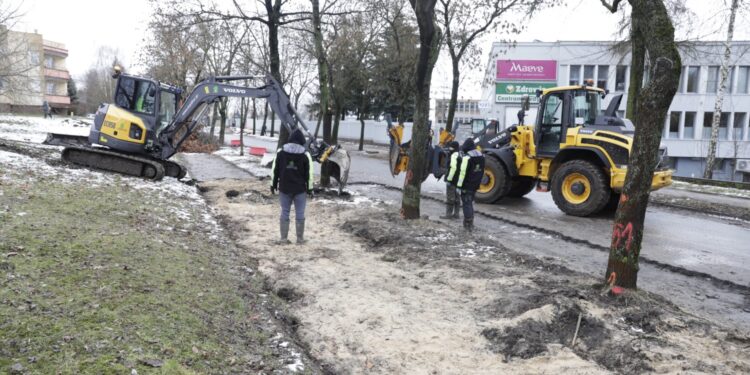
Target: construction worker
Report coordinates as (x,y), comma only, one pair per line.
(452,197)
(469,179)
(293,178)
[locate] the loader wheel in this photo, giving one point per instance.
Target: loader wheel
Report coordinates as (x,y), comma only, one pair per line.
(495,182)
(614,200)
(521,186)
(580,188)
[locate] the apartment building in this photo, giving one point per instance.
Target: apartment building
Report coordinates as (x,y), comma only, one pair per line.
(537,65)
(38,73)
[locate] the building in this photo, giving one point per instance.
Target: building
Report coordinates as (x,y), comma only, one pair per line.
(37,73)
(466,109)
(536,65)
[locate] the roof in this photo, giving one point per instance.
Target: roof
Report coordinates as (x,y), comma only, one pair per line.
(569,88)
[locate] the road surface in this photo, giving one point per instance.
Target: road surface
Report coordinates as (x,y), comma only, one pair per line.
(689,243)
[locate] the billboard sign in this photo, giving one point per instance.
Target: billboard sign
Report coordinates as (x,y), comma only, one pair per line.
(512,92)
(526,70)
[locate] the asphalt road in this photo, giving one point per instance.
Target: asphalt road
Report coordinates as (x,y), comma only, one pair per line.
(688,240)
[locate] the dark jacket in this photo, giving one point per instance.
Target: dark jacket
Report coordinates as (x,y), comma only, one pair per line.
(472,167)
(293,167)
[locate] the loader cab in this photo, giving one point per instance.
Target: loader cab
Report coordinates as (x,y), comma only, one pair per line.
(563,108)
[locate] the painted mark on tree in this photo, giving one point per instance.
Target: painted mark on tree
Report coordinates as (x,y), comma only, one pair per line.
(623,233)
(623,198)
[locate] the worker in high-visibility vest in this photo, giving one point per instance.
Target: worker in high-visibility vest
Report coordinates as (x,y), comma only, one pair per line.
(469,179)
(453,199)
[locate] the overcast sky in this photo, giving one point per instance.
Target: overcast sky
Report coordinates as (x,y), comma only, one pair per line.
(84,25)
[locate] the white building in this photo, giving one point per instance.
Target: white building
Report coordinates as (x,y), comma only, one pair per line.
(528,66)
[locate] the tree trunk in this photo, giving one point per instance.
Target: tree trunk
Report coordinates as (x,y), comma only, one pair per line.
(711,156)
(223,115)
(361,133)
(243,120)
(273,127)
(652,26)
(274,19)
(454,95)
(324,85)
(429,48)
(265,117)
(213,122)
(336,122)
(254,115)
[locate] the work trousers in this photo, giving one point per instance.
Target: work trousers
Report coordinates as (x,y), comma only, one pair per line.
(299,200)
(467,198)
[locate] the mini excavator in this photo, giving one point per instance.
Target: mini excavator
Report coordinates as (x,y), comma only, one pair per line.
(146,126)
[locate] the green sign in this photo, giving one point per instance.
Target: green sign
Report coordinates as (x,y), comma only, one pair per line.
(512,92)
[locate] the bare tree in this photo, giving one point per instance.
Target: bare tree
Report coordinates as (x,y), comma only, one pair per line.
(15,52)
(711,157)
(653,45)
(429,48)
(98,85)
(464,21)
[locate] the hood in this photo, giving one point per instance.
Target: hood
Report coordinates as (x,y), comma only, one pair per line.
(293,148)
(468,145)
(453,145)
(297,137)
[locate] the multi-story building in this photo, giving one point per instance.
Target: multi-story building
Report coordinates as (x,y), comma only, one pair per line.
(466,109)
(37,73)
(530,66)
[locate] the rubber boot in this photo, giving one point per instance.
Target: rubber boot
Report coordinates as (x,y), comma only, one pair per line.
(284,229)
(469,225)
(300,231)
(457,211)
(449,214)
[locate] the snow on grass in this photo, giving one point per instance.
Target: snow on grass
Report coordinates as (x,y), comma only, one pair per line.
(35,129)
(249,163)
(718,190)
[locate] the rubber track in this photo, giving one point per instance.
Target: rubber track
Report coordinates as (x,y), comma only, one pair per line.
(157,166)
(726,284)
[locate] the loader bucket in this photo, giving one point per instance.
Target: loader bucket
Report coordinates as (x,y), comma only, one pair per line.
(341,162)
(438,162)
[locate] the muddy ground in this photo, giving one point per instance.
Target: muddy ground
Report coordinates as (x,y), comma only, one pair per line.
(372,293)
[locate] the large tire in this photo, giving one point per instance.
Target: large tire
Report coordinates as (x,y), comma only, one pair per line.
(521,186)
(580,188)
(495,182)
(614,200)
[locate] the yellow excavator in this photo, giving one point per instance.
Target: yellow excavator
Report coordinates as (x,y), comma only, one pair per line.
(574,151)
(146,125)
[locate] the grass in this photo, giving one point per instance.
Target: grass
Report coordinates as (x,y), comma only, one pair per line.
(103,279)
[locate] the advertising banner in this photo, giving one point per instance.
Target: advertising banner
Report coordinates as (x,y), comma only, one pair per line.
(526,70)
(512,92)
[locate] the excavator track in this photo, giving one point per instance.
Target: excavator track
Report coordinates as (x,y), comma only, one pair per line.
(121,163)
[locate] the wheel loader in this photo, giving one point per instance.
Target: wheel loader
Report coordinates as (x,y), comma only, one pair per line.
(573,150)
(147,124)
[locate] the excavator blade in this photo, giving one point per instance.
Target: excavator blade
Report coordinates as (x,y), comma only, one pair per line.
(342,163)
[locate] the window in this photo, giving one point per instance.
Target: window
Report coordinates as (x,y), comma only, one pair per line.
(49,62)
(739,124)
(135,95)
(621,77)
(712,86)
(51,88)
(743,73)
(588,75)
(674,125)
(689,128)
(34,57)
(167,108)
(708,118)
(586,107)
(575,75)
(693,73)
(601,79)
